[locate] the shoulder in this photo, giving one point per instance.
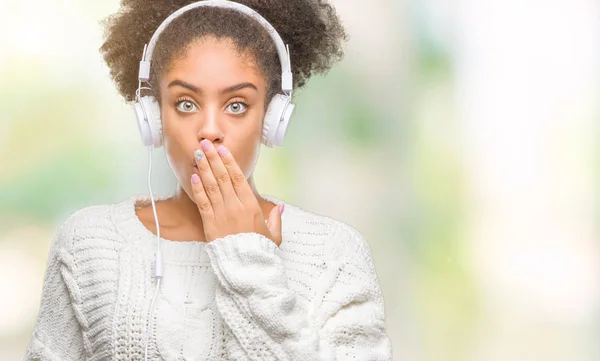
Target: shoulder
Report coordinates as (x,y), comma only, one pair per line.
(76,221)
(88,225)
(340,238)
(347,258)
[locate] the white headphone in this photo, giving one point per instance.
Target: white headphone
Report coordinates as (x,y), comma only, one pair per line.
(278,112)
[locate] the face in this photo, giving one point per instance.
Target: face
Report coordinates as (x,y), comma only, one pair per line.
(212,93)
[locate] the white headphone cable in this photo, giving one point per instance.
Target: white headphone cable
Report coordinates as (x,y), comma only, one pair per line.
(158,264)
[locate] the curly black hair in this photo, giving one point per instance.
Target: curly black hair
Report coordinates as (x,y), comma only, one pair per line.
(311,28)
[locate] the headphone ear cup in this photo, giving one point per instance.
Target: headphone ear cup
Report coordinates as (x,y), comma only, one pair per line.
(277,118)
(143,125)
(147,112)
(155,122)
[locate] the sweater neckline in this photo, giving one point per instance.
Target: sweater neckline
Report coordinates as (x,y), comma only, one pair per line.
(178,250)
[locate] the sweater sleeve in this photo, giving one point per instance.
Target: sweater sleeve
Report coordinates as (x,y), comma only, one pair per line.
(57,334)
(344,321)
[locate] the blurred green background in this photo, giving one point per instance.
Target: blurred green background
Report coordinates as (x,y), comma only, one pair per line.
(461,138)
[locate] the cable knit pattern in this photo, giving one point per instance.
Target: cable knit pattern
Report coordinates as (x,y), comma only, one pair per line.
(240,297)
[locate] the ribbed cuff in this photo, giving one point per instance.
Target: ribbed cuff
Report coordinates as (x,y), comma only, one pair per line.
(239,244)
(241,260)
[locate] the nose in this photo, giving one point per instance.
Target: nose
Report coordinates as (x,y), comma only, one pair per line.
(210,128)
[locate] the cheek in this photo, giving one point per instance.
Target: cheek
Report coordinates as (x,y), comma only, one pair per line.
(176,160)
(246,157)
(177,132)
(176,145)
(245,147)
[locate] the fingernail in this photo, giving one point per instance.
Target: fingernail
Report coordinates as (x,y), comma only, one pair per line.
(195,178)
(222,151)
(199,155)
(281,208)
(206,144)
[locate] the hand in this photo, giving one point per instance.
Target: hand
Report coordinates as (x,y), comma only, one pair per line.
(225,200)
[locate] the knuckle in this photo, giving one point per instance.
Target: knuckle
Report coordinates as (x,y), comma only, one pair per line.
(222,178)
(238,179)
(197,192)
(204,207)
(212,189)
(257,216)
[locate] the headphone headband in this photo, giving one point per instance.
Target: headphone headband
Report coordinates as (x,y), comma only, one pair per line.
(282,50)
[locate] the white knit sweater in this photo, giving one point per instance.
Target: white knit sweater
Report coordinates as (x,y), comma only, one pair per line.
(316,297)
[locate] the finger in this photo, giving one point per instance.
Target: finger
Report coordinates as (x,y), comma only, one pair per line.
(238,179)
(274,223)
(220,172)
(201,199)
(211,187)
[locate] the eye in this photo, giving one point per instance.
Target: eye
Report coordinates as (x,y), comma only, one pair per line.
(186,106)
(237,107)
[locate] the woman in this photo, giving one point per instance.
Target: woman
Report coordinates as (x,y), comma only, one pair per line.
(241,278)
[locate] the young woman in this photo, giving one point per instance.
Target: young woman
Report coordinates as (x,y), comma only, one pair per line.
(237,275)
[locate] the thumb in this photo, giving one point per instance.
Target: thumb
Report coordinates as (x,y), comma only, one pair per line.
(274,223)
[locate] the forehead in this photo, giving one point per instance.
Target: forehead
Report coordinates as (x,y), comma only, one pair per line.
(214,63)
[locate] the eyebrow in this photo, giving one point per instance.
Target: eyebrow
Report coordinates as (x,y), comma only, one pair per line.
(224,91)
